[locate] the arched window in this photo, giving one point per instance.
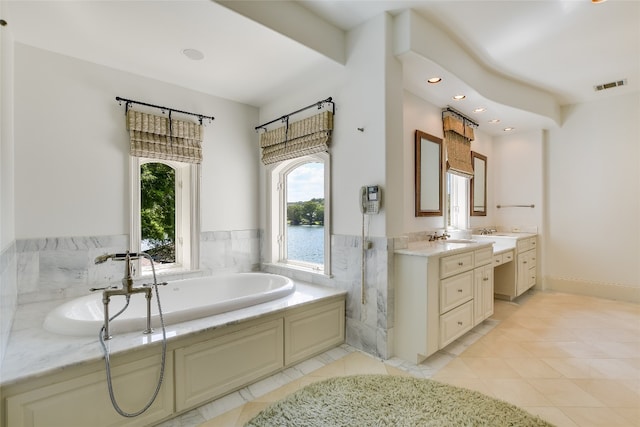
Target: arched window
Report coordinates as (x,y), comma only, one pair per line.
(165,213)
(299,223)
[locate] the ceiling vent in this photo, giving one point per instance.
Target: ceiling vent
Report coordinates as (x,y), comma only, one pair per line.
(610,85)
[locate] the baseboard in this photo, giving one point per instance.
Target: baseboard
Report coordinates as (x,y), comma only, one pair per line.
(594,289)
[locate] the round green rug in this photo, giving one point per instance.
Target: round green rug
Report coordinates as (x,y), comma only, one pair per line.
(394,401)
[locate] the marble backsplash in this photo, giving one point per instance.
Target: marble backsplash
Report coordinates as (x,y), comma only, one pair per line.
(61,268)
(8,295)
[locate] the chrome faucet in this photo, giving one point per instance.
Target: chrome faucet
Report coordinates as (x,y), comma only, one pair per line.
(127,287)
(444,236)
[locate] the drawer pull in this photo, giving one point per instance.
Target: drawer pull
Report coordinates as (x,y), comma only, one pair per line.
(459,323)
(524,262)
(498,261)
(460,290)
(485,278)
(461,263)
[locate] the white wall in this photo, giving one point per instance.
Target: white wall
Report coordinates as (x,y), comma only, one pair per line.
(7,234)
(71,165)
(517,165)
(593,166)
(422,115)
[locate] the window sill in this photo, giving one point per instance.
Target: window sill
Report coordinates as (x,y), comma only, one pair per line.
(297,268)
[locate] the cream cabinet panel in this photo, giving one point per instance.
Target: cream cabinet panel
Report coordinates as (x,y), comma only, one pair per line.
(483,293)
(455,323)
(483,256)
(455,291)
(312,331)
(212,368)
(454,264)
(73,402)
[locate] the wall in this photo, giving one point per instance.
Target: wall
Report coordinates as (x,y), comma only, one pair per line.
(420,114)
(517,165)
(71,173)
(593,193)
(357,158)
(8,281)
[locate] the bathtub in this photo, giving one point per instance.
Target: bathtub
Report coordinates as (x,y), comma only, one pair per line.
(181,301)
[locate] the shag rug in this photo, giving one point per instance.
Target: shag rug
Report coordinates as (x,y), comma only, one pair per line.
(394,401)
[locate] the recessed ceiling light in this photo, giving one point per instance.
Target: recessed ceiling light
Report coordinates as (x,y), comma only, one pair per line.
(194,54)
(494,121)
(479,110)
(508,129)
(459,97)
(434,80)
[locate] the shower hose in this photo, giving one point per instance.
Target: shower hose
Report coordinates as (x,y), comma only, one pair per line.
(164,352)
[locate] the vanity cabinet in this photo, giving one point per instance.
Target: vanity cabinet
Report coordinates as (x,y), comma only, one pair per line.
(437,298)
(513,279)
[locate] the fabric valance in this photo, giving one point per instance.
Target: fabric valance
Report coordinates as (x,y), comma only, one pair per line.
(301,138)
(454,124)
(158,137)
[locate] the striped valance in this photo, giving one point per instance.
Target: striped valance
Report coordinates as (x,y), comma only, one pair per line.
(154,137)
(306,136)
(457,139)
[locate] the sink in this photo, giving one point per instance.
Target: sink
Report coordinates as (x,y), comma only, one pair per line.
(459,241)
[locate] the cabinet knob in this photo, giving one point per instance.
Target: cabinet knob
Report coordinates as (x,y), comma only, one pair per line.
(461,263)
(524,262)
(485,278)
(459,323)
(460,290)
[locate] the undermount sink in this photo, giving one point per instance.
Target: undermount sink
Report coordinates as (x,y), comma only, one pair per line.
(459,241)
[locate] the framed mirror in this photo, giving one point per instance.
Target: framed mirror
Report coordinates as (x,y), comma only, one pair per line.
(478,185)
(428,174)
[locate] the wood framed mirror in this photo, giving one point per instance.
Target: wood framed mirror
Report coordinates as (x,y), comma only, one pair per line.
(478,185)
(428,174)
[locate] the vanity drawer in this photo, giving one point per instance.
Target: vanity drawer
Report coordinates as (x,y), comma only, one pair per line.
(455,291)
(455,323)
(498,260)
(483,256)
(507,257)
(527,244)
(453,264)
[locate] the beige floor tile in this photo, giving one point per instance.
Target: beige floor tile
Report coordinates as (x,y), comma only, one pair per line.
(532,368)
(571,368)
(630,414)
(551,414)
(475,384)
(455,369)
(596,417)
(564,392)
(228,419)
(613,393)
(490,367)
(517,391)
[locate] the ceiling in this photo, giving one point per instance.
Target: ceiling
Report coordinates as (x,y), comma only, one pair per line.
(564,47)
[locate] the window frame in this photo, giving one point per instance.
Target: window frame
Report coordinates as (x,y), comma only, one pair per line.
(458,189)
(187,196)
(277,213)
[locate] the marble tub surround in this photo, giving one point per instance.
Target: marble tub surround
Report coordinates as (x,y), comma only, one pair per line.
(64,267)
(8,294)
(34,352)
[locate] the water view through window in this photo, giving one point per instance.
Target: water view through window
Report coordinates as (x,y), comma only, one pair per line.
(305,213)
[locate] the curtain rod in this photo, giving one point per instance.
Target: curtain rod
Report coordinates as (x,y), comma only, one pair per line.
(460,115)
(286,116)
(130,101)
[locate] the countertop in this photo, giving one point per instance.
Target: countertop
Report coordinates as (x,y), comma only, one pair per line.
(501,243)
(34,352)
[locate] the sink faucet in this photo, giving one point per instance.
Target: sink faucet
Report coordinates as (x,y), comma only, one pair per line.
(127,288)
(433,237)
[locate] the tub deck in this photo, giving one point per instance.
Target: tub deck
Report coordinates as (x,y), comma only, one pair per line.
(33,352)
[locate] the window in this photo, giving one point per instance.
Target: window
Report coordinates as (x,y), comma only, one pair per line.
(165,213)
(299,220)
(457,201)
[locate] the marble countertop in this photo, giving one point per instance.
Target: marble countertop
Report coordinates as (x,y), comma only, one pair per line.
(34,352)
(501,242)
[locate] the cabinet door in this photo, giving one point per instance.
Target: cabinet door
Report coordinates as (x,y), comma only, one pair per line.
(483,293)
(133,383)
(212,368)
(526,263)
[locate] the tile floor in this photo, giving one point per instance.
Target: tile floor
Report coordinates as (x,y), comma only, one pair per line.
(572,360)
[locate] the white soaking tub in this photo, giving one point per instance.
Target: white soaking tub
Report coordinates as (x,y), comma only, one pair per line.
(181,300)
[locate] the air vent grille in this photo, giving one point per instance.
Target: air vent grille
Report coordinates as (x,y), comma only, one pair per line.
(610,85)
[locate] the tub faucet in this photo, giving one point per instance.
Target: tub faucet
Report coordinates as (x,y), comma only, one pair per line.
(127,288)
